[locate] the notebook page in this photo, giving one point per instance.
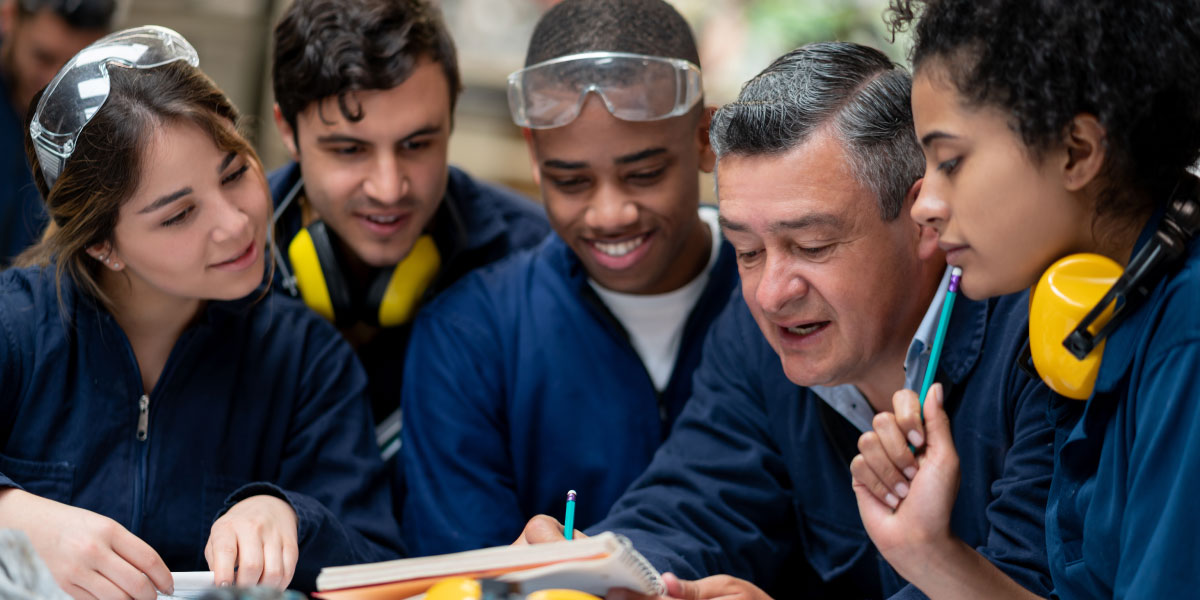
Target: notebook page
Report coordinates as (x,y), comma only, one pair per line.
(505,558)
(189,584)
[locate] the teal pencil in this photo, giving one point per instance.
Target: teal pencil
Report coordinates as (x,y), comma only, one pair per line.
(569,522)
(939,339)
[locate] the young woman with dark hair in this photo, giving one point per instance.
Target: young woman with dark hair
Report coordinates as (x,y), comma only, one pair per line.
(157,411)
(1059,133)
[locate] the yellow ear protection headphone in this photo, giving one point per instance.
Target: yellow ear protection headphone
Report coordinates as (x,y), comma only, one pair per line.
(466,588)
(391,298)
(1082,298)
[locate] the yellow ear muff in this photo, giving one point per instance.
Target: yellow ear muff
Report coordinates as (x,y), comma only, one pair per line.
(310,279)
(408,283)
(1067,291)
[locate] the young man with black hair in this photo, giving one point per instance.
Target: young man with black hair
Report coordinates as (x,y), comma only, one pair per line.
(38,38)
(565,367)
(371,221)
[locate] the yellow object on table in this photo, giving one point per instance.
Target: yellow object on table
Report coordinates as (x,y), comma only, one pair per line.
(466,588)
(455,588)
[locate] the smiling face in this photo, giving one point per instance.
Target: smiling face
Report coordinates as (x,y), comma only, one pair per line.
(999,215)
(837,291)
(195,228)
(377,181)
(624,195)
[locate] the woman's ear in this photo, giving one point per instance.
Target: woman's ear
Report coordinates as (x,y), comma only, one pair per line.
(104,254)
(1084,143)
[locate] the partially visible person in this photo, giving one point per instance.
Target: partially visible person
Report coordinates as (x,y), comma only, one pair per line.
(371,221)
(841,293)
(160,411)
(564,367)
(1064,130)
(37,37)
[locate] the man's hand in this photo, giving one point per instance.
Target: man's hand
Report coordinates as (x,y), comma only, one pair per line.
(90,556)
(542,529)
(722,587)
(257,535)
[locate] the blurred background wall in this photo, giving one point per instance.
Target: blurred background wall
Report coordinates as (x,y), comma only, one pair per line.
(737,38)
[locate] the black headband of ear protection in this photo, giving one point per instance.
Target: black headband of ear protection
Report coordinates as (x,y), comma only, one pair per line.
(1072,374)
(1179,225)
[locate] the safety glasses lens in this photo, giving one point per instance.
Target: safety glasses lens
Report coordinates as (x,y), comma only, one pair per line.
(82,86)
(633,88)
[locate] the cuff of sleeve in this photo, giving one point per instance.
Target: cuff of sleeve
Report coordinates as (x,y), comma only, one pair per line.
(306,514)
(654,552)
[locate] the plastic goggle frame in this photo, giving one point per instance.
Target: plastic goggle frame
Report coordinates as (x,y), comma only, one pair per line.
(633,87)
(82,87)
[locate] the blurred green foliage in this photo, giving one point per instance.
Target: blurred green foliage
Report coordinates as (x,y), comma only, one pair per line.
(785,24)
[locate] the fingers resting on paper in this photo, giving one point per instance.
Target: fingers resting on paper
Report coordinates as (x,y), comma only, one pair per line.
(88,554)
(258,536)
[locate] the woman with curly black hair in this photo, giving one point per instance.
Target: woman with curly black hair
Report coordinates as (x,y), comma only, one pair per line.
(1054,128)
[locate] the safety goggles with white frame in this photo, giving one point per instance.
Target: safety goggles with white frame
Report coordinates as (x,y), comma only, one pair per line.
(633,87)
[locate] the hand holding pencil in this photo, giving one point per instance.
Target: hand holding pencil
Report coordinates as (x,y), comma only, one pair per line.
(887,460)
(907,472)
(916,526)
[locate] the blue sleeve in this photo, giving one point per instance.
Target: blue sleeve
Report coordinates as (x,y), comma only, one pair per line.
(459,473)
(12,357)
(332,474)
(716,498)
(1016,512)
(1158,533)
(1016,516)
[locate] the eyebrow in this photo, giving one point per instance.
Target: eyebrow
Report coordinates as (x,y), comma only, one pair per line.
(640,155)
(338,138)
(620,160)
(177,194)
(805,222)
(933,136)
(554,163)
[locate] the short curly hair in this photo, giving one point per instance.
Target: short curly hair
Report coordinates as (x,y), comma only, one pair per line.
(1133,64)
(328,48)
(650,27)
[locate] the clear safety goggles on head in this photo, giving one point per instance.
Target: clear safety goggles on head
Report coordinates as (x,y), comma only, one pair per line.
(82,86)
(634,87)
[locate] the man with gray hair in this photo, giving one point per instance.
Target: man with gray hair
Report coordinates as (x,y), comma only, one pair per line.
(817,169)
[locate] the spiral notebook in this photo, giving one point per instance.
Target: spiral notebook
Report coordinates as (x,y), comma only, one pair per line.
(592,565)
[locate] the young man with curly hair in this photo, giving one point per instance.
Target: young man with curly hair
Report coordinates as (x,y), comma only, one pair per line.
(371,220)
